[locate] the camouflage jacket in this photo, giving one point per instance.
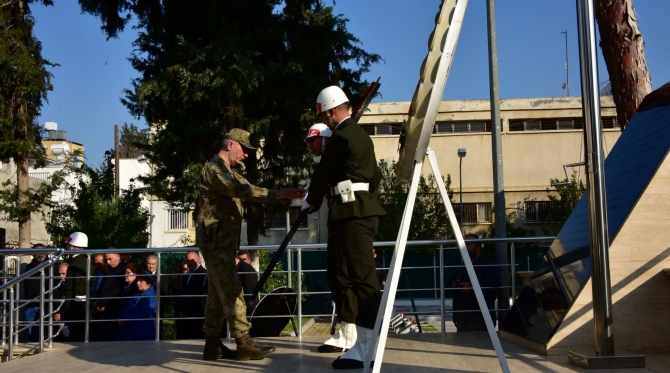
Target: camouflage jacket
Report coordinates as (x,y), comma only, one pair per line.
(222,190)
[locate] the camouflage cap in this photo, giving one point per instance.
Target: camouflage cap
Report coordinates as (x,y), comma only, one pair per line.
(240,136)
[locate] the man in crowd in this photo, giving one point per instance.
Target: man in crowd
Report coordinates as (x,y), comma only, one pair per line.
(248,278)
(151,264)
(464,298)
(195,285)
(108,308)
(222,190)
(349,175)
(32,290)
(244,256)
(99,271)
(73,310)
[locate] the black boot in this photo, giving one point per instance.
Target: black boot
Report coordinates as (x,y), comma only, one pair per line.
(215,349)
(248,349)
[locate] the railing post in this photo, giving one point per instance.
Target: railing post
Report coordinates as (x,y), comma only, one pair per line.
(299,282)
(289,267)
(513,270)
(17,294)
(41,311)
(442,317)
(4,301)
(158,298)
(88,298)
(11,324)
(51,301)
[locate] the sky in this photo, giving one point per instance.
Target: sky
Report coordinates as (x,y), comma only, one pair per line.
(94,71)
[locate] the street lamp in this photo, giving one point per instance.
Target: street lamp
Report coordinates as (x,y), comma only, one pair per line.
(143,159)
(461,155)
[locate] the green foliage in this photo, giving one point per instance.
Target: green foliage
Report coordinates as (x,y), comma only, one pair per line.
(24,83)
(562,205)
(208,66)
(276,280)
(429,220)
(93,209)
(133,142)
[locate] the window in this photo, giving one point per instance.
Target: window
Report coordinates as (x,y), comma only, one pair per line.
(462,127)
(278,221)
(476,213)
(382,129)
(177,220)
(536,211)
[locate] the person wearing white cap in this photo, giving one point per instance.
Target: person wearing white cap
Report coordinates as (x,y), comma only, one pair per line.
(348,173)
(73,310)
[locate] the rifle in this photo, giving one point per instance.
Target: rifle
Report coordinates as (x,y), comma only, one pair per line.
(358,111)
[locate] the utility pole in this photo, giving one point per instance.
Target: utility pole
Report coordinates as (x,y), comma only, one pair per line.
(496,150)
(116,161)
(566,85)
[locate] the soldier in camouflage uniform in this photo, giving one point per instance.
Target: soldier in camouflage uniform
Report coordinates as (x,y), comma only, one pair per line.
(218,235)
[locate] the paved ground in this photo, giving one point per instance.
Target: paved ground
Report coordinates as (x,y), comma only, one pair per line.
(408,353)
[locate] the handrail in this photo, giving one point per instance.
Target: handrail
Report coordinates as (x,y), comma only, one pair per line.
(55,255)
(439,245)
(39,267)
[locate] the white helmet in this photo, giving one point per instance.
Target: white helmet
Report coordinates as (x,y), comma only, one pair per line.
(319,130)
(78,239)
(330,97)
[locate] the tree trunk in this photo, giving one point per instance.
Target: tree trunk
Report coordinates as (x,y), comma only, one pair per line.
(623,50)
(23,183)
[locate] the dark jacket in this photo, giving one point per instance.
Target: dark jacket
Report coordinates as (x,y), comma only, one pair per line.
(350,156)
(110,288)
(488,277)
(75,287)
(249,281)
(31,285)
(196,286)
(143,306)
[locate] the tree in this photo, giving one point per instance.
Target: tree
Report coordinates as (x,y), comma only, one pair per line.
(561,206)
(108,222)
(24,83)
(429,220)
(209,66)
(623,51)
(133,142)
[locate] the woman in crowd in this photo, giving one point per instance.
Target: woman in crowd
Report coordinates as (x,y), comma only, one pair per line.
(130,287)
(142,306)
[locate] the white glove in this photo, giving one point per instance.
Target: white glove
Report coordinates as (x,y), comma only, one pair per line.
(305,205)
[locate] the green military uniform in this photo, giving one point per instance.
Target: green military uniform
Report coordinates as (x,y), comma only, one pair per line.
(219,223)
(351,226)
(73,312)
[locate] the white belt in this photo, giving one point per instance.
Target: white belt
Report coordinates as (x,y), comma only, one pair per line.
(345,189)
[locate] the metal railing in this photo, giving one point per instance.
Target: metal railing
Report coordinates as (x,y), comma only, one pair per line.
(296,250)
(9,289)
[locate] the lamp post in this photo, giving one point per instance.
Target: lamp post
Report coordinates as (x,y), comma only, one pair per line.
(461,155)
(143,159)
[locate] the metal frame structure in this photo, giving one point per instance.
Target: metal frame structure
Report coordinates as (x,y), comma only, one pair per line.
(386,308)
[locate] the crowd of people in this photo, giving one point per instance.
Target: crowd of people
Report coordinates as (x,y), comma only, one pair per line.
(123,295)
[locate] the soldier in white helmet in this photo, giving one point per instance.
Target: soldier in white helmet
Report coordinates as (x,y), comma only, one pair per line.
(73,311)
(317,138)
(348,173)
(317,141)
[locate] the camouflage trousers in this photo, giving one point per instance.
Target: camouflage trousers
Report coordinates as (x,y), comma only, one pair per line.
(225,296)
